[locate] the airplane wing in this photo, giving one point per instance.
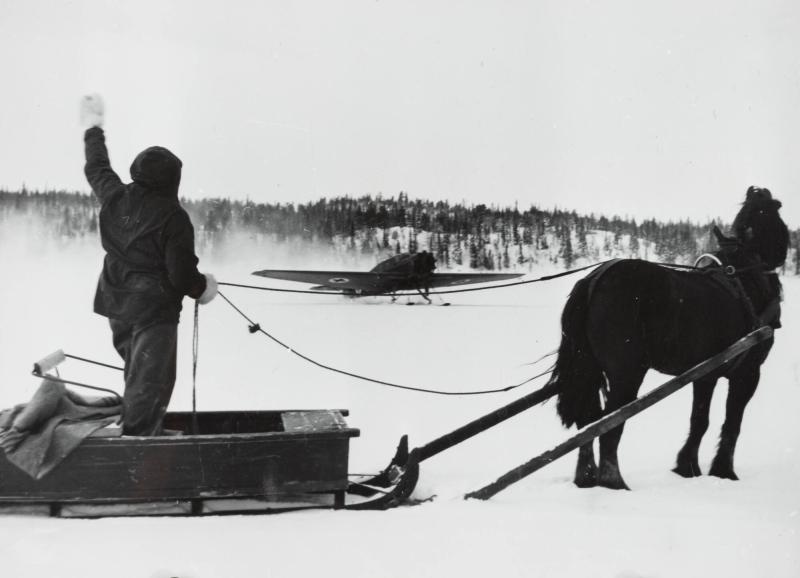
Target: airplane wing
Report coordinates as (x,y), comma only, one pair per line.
(362,281)
(337,280)
(455,279)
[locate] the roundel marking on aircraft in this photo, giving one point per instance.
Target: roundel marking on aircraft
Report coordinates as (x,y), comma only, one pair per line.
(338,280)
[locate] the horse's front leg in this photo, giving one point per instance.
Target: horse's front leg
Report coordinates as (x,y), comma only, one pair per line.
(687,464)
(741,387)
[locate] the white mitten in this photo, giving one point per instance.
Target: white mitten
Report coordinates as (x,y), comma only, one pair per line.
(92,111)
(211,290)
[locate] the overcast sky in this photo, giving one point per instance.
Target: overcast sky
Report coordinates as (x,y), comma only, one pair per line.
(666,109)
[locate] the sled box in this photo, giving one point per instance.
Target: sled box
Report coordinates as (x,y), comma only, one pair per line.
(234,454)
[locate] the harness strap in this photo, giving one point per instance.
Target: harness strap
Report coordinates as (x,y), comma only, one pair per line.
(725,281)
(595,275)
(748,303)
(726,278)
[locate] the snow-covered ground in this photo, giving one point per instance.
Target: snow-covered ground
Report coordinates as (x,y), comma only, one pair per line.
(543,526)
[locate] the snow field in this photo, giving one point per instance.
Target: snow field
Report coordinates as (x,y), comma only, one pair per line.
(542,526)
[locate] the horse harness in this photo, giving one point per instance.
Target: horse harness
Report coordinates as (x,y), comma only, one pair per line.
(727,277)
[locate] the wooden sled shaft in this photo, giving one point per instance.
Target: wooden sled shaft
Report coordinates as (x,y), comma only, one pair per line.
(485,422)
(615,418)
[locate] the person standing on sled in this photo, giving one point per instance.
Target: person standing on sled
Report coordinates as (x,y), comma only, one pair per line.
(150,264)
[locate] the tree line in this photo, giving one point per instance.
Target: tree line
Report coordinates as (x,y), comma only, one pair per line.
(478,237)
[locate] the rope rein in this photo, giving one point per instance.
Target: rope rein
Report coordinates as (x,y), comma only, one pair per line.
(256,328)
(195,351)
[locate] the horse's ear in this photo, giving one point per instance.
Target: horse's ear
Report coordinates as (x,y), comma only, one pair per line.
(724,241)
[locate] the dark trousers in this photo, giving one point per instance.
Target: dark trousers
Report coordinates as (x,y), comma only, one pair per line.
(150,354)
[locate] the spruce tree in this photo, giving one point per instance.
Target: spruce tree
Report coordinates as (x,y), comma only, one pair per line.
(567,253)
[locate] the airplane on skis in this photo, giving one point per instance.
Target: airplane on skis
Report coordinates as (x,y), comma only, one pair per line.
(403,272)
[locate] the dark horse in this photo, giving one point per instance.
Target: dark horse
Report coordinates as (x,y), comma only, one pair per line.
(632,315)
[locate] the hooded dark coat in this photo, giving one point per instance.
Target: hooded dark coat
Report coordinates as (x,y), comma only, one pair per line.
(150,263)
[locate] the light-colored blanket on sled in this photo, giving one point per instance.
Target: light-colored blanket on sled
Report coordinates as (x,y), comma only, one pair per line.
(36,436)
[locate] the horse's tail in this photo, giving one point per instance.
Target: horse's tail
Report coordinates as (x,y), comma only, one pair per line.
(577,372)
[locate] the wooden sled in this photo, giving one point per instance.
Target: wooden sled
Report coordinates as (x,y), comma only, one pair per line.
(237,462)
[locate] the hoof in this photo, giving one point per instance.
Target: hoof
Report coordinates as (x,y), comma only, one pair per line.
(585,482)
(724,473)
(687,470)
(614,484)
(722,468)
(586,476)
(612,480)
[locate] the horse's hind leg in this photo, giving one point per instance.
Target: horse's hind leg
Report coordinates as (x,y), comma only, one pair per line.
(741,387)
(687,464)
(586,468)
(621,391)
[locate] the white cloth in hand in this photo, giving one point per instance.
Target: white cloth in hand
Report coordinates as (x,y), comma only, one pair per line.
(211,290)
(92,111)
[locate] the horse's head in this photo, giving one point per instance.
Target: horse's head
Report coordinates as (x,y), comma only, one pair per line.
(759,229)
(733,254)
(760,243)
